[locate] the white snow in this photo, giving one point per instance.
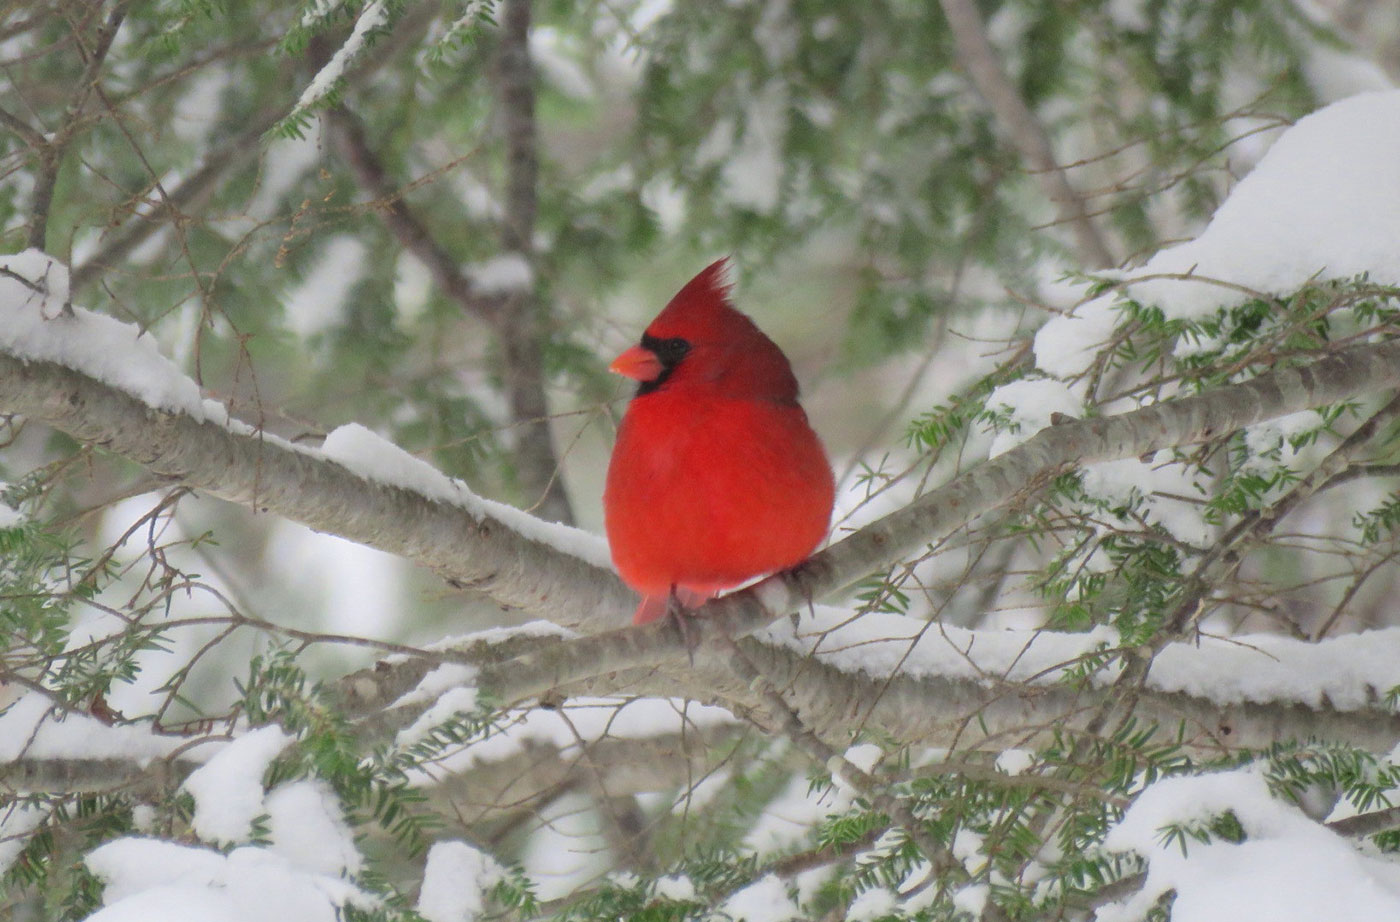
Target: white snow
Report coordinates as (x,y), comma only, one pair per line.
(284,162)
(439,681)
(34,728)
(1274,438)
(872,904)
(765,900)
(353,588)
(788,819)
(197,109)
(702,792)
(753,170)
(17,821)
(1323,202)
(556,55)
(967,848)
(10,518)
(318,303)
(148,880)
(864,756)
(1153,484)
(1032,401)
(1288,868)
(568,849)
(676,887)
(461,700)
(306,826)
(34,326)
(972,899)
(228,789)
(456,881)
(1015,761)
(1067,345)
(413,286)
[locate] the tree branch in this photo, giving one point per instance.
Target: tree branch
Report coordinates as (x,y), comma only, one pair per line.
(521,321)
(92,775)
(51,153)
(982,63)
(231,154)
(494,557)
(990,486)
(942,711)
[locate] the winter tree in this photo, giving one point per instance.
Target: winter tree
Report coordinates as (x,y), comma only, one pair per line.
(305,311)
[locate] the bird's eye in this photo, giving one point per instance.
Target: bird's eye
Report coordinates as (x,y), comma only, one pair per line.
(669,351)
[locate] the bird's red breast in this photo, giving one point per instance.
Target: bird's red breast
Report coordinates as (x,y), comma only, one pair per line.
(716,476)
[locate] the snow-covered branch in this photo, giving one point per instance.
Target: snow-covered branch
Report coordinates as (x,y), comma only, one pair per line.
(471,548)
(938,686)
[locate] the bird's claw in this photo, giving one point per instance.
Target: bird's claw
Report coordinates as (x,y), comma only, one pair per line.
(685,626)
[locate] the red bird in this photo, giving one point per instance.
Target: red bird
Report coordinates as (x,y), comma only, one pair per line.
(716,476)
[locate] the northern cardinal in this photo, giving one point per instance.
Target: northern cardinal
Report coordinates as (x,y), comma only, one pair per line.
(716,476)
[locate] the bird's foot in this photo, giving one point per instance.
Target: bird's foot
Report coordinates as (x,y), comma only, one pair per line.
(684,621)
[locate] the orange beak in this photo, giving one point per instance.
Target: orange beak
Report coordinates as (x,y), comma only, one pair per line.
(637,363)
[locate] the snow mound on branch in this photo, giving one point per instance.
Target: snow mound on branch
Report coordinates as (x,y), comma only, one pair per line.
(1287,869)
(35,728)
(766,900)
(10,517)
(37,323)
(148,880)
(361,451)
(1031,402)
(456,881)
(1152,485)
(1324,202)
(308,828)
(228,789)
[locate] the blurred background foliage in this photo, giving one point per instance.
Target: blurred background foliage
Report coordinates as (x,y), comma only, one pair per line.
(886,226)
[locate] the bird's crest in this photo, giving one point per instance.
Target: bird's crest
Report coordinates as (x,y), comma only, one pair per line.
(706,295)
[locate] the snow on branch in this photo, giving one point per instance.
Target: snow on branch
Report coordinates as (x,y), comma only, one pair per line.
(325,85)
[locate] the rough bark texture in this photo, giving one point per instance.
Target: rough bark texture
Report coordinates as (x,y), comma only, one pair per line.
(485,555)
